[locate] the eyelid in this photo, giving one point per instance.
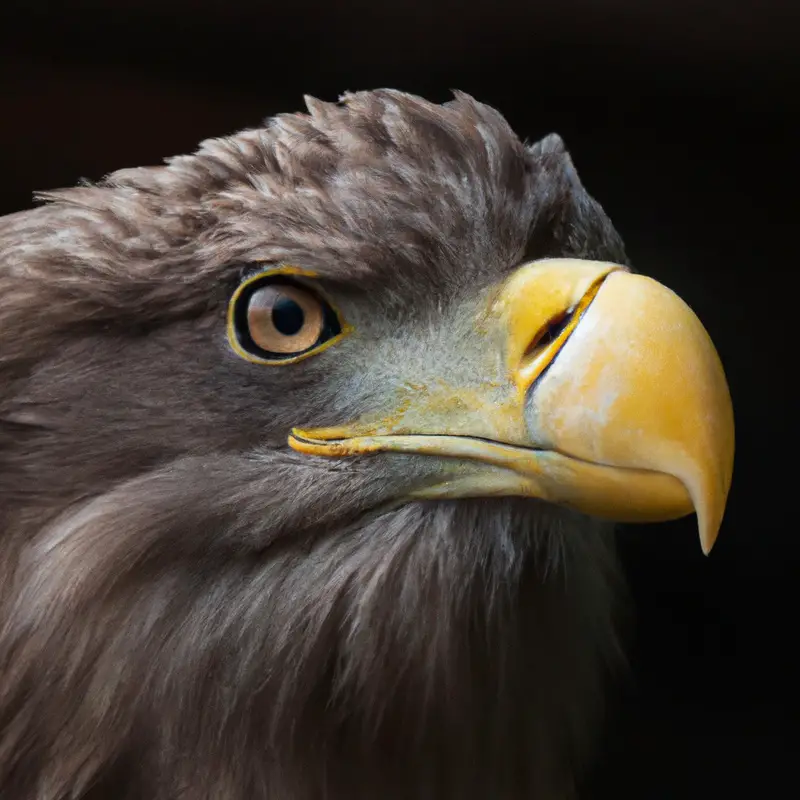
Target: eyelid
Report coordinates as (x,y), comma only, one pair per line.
(291,271)
(267,270)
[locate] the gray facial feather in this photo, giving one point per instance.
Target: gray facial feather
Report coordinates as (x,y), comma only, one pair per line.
(188,608)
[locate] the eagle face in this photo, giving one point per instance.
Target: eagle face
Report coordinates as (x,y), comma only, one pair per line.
(309,442)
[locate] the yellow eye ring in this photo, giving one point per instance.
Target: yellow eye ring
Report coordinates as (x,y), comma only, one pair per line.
(274,319)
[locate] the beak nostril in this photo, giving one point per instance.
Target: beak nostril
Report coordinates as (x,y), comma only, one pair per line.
(549,332)
(541,306)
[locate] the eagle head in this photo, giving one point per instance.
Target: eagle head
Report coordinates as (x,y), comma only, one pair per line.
(309,444)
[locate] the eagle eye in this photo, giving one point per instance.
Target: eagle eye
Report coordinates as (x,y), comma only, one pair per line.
(275,319)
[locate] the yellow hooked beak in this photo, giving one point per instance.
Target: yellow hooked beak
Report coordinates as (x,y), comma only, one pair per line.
(611,400)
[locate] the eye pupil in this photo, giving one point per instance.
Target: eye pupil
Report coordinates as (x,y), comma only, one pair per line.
(287,316)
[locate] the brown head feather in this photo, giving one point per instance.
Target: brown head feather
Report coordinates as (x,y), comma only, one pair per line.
(188,609)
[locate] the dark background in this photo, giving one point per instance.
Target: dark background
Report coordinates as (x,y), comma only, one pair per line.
(678,118)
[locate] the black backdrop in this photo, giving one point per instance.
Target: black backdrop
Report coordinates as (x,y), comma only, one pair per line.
(678,117)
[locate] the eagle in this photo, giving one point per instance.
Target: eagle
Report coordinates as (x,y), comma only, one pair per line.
(312,445)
